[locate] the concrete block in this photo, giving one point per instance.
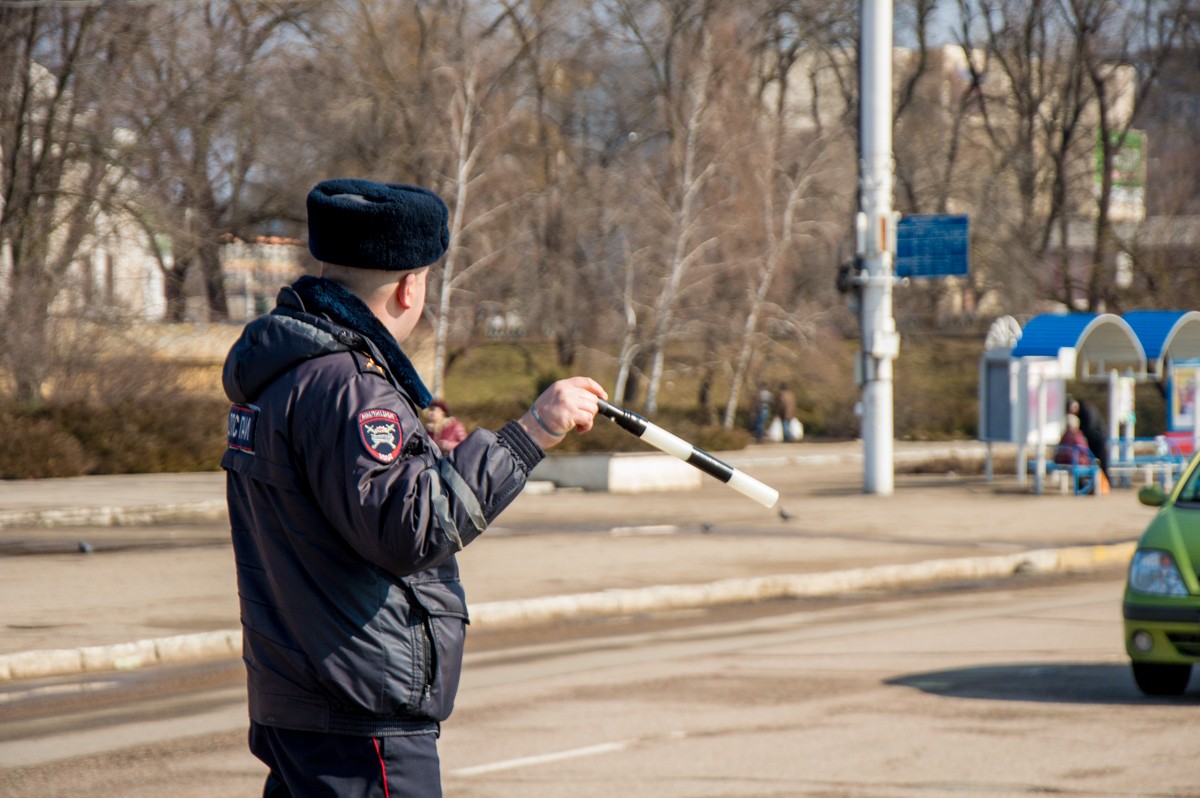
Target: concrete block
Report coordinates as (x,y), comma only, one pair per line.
(618,473)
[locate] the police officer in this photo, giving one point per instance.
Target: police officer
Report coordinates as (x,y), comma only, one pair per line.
(346,518)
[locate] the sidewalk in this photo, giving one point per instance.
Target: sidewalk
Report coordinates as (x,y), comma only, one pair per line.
(146,595)
(112,500)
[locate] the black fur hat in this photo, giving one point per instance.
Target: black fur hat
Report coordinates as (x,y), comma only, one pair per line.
(369,225)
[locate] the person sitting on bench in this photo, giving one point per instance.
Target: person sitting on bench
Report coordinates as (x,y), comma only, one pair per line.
(1073,448)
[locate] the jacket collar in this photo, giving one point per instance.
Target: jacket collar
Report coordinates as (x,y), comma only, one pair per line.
(323,297)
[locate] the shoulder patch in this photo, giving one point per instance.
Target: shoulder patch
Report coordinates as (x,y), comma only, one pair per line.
(242,420)
(379,431)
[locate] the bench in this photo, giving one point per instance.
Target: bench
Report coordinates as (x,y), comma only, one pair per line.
(1161,459)
(1073,468)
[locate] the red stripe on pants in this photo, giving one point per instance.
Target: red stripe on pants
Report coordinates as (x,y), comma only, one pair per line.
(382,766)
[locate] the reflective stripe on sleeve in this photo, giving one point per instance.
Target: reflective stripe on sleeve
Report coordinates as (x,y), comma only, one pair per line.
(440,503)
(458,486)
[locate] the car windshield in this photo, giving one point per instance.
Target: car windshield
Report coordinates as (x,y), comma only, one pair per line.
(1190,492)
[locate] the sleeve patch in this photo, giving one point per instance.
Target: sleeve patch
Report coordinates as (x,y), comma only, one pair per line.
(379,431)
(242,421)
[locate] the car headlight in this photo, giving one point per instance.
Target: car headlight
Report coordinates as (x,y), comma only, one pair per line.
(1155,572)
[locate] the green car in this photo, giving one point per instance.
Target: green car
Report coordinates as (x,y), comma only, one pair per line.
(1162,592)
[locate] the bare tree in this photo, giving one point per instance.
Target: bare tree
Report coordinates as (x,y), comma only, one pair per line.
(788,151)
(1124,55)
(1032,98)
(60,156)
(779,247)
(547,69)
(196,111)
(688,245)
(613,167)
(676,46)
(471,130)
(1061,81)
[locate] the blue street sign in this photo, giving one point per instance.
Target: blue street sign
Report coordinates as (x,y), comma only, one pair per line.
(932,246)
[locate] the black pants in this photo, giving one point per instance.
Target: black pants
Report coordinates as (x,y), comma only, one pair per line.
(314,765)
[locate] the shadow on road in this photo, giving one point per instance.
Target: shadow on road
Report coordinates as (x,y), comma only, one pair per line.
(1066,683)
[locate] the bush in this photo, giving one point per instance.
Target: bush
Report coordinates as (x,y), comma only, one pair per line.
(79,438)
(35,446)
(936,388)
(125,412)
(138,413)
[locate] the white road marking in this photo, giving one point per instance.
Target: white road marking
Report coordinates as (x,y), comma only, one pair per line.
(561,756)
(630,531)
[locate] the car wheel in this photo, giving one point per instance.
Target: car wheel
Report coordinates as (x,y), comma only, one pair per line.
(1156,678)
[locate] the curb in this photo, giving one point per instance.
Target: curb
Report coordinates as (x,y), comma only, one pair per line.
(120,656)
(523,612)
(505,614)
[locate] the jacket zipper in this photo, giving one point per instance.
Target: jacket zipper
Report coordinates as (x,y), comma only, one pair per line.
(430,658)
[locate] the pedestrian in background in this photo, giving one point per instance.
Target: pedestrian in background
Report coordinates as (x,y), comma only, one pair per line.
(1073,447)
(762,412)
(346,517)
(785,410)
(1091,423)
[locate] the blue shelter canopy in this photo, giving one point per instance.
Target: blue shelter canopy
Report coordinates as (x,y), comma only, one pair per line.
(1100,342)
(1166,333)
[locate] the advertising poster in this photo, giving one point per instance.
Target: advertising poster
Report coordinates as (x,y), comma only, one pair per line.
(1042,378)
(1181,396)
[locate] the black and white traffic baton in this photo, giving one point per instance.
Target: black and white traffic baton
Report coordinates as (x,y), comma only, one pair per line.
(660,439)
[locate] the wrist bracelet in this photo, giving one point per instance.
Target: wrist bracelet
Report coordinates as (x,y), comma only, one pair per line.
(542,424)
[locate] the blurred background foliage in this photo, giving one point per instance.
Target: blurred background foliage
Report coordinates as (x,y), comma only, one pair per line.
(659,193)
(145,414)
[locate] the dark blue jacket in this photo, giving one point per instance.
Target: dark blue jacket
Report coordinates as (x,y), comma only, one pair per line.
(346,519)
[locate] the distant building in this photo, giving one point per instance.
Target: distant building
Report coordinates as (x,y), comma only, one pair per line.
(980,115)
(116,276)
(255,270)
(96,261)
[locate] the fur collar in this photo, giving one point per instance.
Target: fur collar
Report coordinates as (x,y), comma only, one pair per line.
(326,298)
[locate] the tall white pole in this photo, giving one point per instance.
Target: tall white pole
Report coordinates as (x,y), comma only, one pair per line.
(1114,415)
(1039,479)
(1195,411)
(876,236)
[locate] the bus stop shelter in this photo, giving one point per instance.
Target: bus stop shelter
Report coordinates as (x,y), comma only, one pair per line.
(1120,351)
(1171,339)
(1098,343)
(1088,347)
(1166,336)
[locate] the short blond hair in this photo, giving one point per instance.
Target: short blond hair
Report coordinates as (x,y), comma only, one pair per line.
(364,283)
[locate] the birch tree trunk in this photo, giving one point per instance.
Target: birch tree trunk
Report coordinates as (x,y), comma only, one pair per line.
(629,343)
(683,254)
(779,246)
(466,152)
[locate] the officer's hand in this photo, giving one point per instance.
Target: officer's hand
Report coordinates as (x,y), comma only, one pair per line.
(566,405)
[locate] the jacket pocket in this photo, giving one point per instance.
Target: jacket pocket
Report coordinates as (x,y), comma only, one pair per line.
(443,612)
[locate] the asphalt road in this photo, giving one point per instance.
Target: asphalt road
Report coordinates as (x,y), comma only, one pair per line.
(885,693)
(1003,692)
(146,582)
(993,691)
